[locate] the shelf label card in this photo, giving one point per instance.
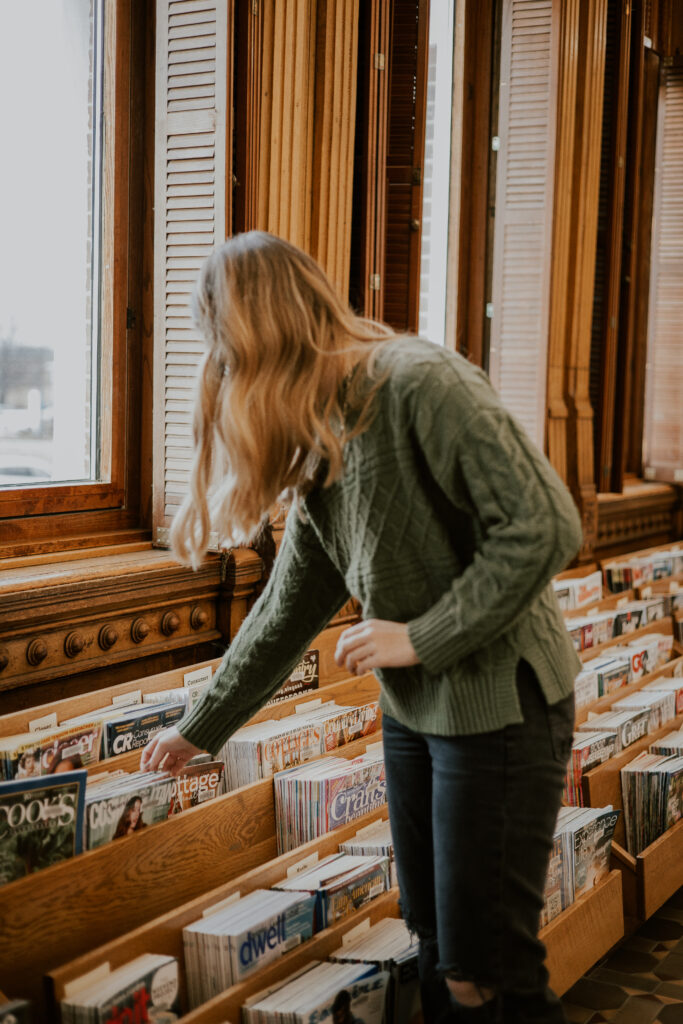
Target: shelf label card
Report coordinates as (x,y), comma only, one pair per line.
(46,722)
(125,699)
(198,677)
(308,705)
(303,865)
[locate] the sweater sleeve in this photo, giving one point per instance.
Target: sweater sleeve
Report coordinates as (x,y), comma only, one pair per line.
(303,593)
(526,523)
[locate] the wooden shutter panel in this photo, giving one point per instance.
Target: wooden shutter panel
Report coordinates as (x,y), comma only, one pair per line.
(524,208)
(663,436)
(191,167)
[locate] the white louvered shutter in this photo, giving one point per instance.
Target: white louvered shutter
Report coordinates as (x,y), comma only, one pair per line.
(524,208)
(663,433)
(190,218)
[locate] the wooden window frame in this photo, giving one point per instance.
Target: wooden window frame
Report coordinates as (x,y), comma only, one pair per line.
(58,516)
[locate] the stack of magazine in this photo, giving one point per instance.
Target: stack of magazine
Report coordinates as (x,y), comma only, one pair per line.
(146,989)
(315,798)
(62,748)
(390,946)
(629,725)
(41,822)
(131,727)
(589,749)
(236,938)
(259,751)
(621,665)
(578,592)
(669,684)
(652,793)
(624,573)
(374,840)
(580,855)
(340,884)
(322,992)
(120,804)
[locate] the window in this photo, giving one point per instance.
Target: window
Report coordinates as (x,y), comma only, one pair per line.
(73,92)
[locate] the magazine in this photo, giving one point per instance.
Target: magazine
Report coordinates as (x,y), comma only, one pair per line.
(126,804)
(144,989)
(41,822)
(64,748)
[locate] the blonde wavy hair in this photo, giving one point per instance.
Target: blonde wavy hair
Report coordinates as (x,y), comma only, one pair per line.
(275,388)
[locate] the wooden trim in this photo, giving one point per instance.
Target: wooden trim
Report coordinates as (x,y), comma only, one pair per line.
(606,428)
(471,143)
(586,171)
(559,316)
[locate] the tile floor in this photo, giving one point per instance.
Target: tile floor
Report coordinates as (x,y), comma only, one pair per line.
(641,982)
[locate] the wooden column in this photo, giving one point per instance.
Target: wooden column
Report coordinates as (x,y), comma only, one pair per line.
(558,410)
(581,269)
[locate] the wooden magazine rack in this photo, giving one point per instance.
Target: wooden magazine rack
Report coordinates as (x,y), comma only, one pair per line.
(80,903)
(657,873)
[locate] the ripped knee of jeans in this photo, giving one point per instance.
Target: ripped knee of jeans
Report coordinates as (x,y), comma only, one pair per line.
(471,995)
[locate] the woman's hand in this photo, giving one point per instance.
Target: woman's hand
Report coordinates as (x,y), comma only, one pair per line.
(375,643)
(167,751)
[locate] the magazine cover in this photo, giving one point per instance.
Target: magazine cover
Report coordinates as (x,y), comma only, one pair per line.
(552,893)
(359,1002)
(41,823)
(129,809)
(356,793)
(135,727)
(63,749)
(350,725)
(592,845)
(196,784)
(346,895)
(146,989)
(304,678)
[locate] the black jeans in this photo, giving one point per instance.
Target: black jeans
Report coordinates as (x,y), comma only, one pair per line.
(472,819)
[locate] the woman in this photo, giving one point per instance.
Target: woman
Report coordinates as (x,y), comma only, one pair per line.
(414,491)
(131,818)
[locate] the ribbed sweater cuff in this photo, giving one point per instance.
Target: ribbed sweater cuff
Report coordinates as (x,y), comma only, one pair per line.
(206,726)
(435,641)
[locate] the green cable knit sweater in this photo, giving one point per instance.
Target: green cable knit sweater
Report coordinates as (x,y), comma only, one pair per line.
(446,517)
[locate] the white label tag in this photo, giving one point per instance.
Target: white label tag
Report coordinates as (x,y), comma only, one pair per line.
(227,902)
(46,722)
(622,602)
(302,865)
(199,676)
(592,611)
(373,747)
(355,933)
(646,592)
(308,706)
(98,974)
(124,699)
(674,587)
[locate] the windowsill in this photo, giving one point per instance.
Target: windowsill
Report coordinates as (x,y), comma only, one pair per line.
(638,490)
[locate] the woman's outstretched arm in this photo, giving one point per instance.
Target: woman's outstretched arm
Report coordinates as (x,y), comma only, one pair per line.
(301,596)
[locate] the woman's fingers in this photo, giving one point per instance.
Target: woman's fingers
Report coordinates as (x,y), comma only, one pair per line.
(375,643)
(146,759)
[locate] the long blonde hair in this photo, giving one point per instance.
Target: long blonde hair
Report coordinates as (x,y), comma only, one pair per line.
(271,412)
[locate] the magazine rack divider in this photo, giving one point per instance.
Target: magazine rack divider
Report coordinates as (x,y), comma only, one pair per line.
(578,572)
(164,934)
(103,893)
(667,585)
(671,668)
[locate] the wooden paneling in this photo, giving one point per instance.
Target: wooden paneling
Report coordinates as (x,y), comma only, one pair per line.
(607,284)
(335,120)
(191,210)
(663,434)
(470,156)
(524,209)
(405,157)
(557,405)
(583,232)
